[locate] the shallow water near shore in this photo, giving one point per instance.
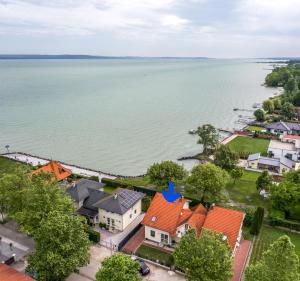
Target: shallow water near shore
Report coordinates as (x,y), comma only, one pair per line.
(121,115)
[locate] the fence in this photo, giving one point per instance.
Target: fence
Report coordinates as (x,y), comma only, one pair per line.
(129,236)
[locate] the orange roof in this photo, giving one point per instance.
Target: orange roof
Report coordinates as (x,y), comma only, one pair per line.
(225,221)
(167,216)
(59,172)
(10,274)
(164,215)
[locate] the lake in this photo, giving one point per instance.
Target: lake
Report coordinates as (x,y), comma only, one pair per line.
(121,115)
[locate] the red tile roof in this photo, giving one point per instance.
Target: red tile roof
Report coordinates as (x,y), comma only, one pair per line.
(167,216)
(225,221)
(59,172)
(10,274)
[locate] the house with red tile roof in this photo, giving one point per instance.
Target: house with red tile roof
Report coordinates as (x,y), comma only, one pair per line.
(165,222)
(8,273)
(58,171)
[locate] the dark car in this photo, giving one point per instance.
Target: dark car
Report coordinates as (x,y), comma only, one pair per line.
(144,269)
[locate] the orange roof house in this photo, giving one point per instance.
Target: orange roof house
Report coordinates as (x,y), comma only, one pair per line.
(167,222)
(58,171)
(10,274)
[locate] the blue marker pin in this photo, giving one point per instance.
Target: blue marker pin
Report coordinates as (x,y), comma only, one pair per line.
(170,195)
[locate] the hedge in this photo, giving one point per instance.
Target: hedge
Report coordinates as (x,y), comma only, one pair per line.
(276,218)
(114,183)
(94,236)
(257,221)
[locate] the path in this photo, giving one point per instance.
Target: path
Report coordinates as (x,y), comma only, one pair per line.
(35,160)
(229,139)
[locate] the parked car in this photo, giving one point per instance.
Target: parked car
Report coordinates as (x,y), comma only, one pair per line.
(144,268)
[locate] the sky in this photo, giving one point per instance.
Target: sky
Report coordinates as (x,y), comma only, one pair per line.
(209,28)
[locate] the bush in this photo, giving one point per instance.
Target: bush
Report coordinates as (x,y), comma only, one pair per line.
(257,221)
(102,225)
(292,225)
(94,178)
(94,236)
(114,183)
(146,201)
(249,216)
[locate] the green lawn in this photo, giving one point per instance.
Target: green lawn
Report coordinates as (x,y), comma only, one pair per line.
(244,190)
(267,236)
(249,145)
(109,189)
(139,181)
(254,128)
(8,166)
(153,254)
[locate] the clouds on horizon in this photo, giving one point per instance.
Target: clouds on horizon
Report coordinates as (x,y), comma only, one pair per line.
(215,28)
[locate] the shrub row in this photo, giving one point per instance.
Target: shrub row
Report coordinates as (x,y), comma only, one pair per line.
(257,221)
(114,183)
(277,218)
(94,236)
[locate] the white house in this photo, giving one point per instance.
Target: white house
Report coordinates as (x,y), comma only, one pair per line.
(165,222)
(286,148)
(116,210)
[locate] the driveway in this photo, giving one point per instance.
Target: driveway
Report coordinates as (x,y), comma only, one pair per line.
(158,273)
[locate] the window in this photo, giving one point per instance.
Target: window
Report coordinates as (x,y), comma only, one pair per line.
(152,233)
(186,227)
(164,238)
(135,211)
(108,221)
(130,216)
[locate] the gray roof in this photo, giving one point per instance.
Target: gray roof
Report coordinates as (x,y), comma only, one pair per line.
(80,191)
(120,202)
(88,192)
(287,162)
(269,161)
(284,126)
(253,157)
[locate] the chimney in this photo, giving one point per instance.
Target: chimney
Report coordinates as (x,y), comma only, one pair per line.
(115,196)
(212,206)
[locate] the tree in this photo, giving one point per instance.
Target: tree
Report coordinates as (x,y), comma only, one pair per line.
(268,106)
(291,85)
(278,263)
(264,181)
(257,221)
(208,137)
(288,111)
(286,196)
(260,115)
(207,258)
(277,103)
(236,173)
(166,171)
(225,157)
(207,182)
(40,197)
(61,247)
(118,267)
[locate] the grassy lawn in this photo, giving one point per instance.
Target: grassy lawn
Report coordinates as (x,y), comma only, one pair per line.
(254,128)
(267,236)
(139,181)
(109,189)
(249,145)
(244,190)
(153,254)
(8,166)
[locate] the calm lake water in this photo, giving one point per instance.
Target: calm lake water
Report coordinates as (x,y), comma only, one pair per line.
(120,116)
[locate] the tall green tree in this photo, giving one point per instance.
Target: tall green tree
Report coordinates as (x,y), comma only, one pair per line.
(207,182)
(166,171)
(277,103)
(61,247)
(207,258)
(225,158)
(208,137)
(260,115)
(40,198)
(264,181)
(286,196)
(278,263)
(257,221)
(268,106)
(288,111)
(118,267)
(236,173)
(291,85)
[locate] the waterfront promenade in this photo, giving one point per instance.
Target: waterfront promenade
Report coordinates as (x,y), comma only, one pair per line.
(35,161)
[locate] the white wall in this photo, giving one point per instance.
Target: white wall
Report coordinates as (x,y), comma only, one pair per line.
(277,153)
(252,164)
(121,221)
(158,233)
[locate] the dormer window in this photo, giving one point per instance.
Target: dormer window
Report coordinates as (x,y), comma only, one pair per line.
(153,219)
